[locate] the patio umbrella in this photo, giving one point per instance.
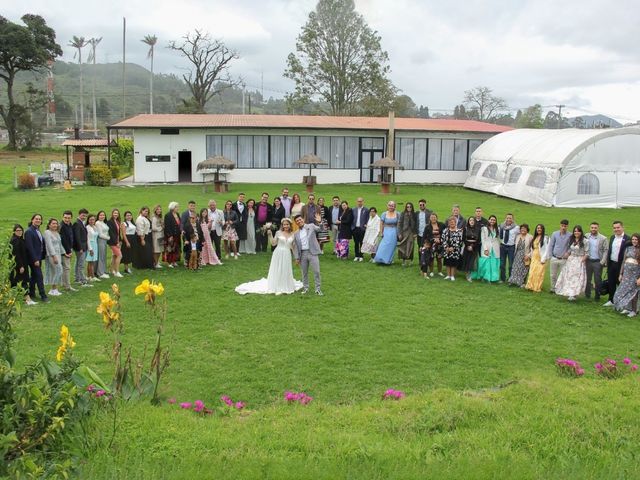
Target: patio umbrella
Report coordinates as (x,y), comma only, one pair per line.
(311,160)
(216,163)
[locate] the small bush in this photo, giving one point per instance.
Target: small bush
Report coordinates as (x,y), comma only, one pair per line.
(115,171)
(26,181)
(99,176)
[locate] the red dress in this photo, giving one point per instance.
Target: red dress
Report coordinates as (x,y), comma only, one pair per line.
(208,255)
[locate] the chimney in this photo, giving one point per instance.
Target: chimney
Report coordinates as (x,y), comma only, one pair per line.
(76,132)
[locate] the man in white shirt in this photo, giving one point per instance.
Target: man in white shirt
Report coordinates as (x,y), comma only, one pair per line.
(286,202)
(334,210)
(615,255)
(216,217)
(596,259)
(508,232)
(422,220)
(306,250)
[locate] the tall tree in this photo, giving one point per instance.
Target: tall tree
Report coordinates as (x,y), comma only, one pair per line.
(484,101)
(211,60)
(531,117)
(23,48)
(79,43)
(339,59)
(150,40)
(92,58)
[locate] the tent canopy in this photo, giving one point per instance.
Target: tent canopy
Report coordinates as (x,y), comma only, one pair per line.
(568,167)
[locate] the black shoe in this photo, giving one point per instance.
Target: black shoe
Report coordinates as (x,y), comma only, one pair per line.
(319,293)
(45,300)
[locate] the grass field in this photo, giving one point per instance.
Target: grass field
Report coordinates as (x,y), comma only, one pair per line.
(476,362)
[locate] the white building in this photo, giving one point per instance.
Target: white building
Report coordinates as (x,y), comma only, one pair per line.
(264,148)
(563,168)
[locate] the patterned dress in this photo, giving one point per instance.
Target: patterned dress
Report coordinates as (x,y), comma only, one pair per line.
(208,255)
(627,292)
(573,277)
(520,269)
(452,239)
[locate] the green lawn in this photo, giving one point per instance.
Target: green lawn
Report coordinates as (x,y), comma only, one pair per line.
(476,362)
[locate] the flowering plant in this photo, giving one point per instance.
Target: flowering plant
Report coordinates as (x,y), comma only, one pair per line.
(569,367)
(198,406)
(610,368)
(392,394)
(301,397)
(151,290)
(66,343)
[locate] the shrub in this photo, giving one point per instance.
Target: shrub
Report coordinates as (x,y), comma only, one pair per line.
(26,181)
(115,171)
(99,176)
(123,154)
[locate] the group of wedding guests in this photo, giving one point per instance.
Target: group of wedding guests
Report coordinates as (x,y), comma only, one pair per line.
(482,248)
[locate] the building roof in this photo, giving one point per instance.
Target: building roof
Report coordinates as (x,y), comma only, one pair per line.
(88,142)
(304,122)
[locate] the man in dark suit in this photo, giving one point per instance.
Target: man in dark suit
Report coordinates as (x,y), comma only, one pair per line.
(615,256)
(264,215)
(35,254)
(80,245)
(243,214)
(187,214)
(66,235)
(359,226)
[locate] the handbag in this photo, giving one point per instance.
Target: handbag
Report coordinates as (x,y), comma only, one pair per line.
(604,287)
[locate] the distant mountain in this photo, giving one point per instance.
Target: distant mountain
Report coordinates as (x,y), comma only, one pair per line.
(593,121)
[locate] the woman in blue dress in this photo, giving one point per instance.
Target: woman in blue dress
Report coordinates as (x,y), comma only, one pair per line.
(389,233)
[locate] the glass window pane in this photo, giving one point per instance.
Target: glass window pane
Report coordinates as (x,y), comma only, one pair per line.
(261,151)
(245,151)
(307,145)
(406,153)
(292,152)
(433,160)
(446,162)
(337,152)
(351,152)
(323,150)
(230,147)
(277,152)
(420,154)
(473,144)
(377,143)
(367,143)
(214,145)
(460,155)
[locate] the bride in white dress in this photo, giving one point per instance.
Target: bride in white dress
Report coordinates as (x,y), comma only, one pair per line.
(280,279)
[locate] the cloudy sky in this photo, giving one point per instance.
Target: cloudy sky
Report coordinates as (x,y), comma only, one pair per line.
(583,54)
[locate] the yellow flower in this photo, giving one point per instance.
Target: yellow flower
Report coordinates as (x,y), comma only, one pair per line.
(106,309)
(115,289)
(66,342)
(150,290)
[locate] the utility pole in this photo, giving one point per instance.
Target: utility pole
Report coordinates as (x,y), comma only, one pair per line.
(559,114)
(243,98)
(124,38)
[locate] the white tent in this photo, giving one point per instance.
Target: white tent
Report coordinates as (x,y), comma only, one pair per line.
(562,168)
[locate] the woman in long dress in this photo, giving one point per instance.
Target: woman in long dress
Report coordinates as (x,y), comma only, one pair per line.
(389,234)
(143,246)
(345,219)
(407,232)
(573,278)
(208,254)
(229,234)
(128,234)
(626,298)
(296,209)
(522,257)
(54,249)
(280,278)
(250,242)
(92,248)
(538,265)
(489,261)
(157,236)
(471,239)
(103,238)
(433,233)
(453,245)
(172,235)
(370,239)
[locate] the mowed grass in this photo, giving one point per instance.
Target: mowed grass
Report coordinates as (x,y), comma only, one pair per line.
(476,361)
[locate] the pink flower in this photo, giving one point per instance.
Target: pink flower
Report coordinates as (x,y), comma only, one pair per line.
(171,401)
(290,396)
(239,405)
(610,361)
(185,405)
(627,361)
(100,393)
(634,367)
(598,366)
(580,372)
(198,406)
(305,399)
(226,400)
(90,388)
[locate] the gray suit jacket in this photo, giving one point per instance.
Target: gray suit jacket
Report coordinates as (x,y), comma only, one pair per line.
(314,246)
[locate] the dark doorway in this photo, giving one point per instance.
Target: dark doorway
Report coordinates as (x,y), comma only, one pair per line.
(184,167)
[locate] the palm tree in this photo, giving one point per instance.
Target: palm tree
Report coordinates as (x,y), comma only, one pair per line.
(150,40)
(78,43)
(92,58)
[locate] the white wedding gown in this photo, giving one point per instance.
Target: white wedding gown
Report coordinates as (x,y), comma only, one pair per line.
(280,279)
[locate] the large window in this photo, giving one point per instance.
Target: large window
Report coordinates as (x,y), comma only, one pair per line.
(491,171)
(538,179)
(433,153)
(588,184)
(475,169)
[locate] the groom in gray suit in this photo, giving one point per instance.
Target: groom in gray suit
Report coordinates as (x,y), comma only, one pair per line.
(306,250)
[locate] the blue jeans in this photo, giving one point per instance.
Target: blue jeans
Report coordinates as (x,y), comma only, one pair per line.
(506,252)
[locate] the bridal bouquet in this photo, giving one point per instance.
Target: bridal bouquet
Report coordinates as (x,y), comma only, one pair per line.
(267,226)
